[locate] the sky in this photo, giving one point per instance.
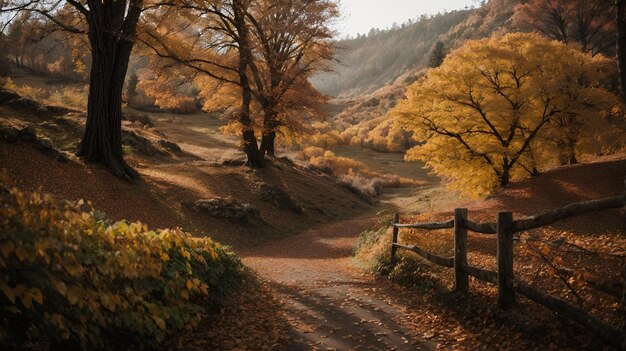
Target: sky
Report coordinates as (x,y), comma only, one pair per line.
(359,16)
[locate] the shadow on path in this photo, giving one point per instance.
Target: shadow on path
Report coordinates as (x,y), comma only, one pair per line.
(327,303)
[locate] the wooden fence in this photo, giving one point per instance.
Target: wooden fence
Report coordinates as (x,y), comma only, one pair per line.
(504,228)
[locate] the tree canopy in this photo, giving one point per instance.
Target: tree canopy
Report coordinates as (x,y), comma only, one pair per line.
(483,114)
(281,43)
(590,23)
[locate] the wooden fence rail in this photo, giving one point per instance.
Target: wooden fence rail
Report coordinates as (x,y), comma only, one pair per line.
(504,228)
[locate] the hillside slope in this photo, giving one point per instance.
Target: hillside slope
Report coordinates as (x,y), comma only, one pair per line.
(234,204)
(377,68)
(400,54)
(371,61)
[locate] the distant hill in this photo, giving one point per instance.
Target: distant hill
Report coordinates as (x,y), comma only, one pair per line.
(376,68)
(376,59)
(380,57)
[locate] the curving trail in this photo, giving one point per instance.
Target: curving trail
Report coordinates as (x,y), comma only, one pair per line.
(329,304)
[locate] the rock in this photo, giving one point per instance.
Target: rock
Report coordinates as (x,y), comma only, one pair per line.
(62,157)
(27,134)
(24,102)
(44,144)
(6,95)
(170,145)
(142,118)
(287,160)
(42,108)
(140,143)
(10,134)
(57,110)
(278,197)
(228,208)
(233,163)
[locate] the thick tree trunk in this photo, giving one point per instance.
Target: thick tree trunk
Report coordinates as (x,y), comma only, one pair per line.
(621,47)
(267,144)
(102,139)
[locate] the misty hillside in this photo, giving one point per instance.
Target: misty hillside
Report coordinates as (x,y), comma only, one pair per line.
(372,61)
(376,59)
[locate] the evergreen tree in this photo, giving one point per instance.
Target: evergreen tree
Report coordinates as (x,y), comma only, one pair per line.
(437,55)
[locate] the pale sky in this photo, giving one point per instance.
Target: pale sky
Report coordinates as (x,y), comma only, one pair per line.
(359,16)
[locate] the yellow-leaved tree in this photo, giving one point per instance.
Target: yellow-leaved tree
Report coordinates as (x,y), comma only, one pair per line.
(480,116)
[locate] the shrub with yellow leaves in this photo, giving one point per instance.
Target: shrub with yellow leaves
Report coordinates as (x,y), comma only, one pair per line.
(69,278)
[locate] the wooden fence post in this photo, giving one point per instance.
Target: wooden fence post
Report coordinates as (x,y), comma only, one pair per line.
(461,281)
(624,305)
(506,295)
(394,238)
(624,219)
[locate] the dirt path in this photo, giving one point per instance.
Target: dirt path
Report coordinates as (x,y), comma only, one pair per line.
(329,304)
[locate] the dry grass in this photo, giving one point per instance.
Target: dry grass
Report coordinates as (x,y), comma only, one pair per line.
(369,186)
(71,97)
(356,175)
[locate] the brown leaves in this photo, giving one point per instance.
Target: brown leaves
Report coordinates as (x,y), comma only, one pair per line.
(253,321)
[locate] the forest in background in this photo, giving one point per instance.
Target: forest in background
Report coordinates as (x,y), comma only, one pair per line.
(364,77)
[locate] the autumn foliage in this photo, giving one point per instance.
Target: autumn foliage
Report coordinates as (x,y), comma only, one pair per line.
(589,23)
(507,107)
(70,278)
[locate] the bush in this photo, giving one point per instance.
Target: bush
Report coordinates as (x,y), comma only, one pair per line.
(26,91)
(185,106)
(313,151)
(69,97)
(71,279)
(335,165)
(357,183)
(372,247)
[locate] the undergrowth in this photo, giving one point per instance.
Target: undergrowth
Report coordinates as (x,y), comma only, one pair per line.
(352,174)
(71,279)
(71,97)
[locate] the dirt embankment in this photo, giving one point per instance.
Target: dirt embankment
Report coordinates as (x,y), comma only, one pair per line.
(250,206)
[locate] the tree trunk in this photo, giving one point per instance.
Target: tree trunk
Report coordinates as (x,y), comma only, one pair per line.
(505,178)
(102,139)
(269,128)
(505,175)
(250,145)
(571,152)
(267,144)
(621,47)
